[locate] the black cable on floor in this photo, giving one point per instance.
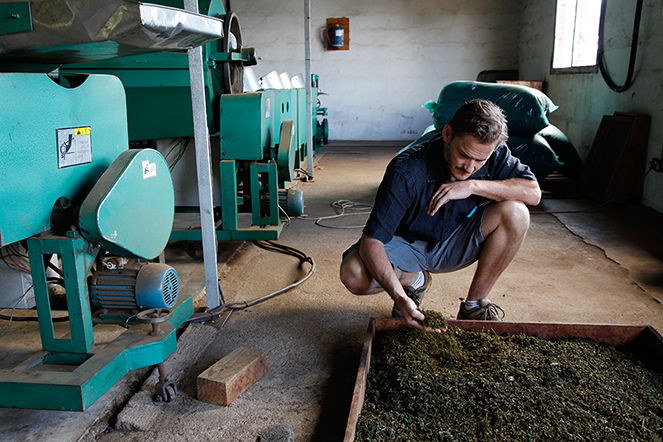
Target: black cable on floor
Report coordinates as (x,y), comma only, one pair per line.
(273,247)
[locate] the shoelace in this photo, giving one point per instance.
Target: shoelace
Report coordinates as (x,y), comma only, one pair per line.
(492,312)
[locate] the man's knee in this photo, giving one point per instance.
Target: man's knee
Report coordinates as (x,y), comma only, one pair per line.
(511,215)
(354,275)
(517,213)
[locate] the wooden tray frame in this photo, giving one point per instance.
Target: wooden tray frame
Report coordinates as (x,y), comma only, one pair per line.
(644,337)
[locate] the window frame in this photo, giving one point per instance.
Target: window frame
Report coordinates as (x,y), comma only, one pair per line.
(590,69)
(574,70)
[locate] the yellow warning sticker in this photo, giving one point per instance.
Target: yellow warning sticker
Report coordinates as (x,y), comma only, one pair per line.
(74,146)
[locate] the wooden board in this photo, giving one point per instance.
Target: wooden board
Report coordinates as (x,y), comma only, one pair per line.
(616,158)
(538,85)
(644,337)
(224,381)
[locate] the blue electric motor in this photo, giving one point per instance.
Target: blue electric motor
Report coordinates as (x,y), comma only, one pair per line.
(135,287)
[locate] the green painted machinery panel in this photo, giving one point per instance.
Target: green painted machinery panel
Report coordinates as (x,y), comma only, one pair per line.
(130,210)
(284,110)
(301,119)
(301,116)
(250,123)
(247,125)
(15,17)
(158,89)
(55,142)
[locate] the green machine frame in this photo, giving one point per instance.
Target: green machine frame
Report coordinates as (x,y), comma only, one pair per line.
(65,146)
(159,106)
(72,373)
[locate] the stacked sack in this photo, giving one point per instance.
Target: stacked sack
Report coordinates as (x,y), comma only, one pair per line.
(536,142)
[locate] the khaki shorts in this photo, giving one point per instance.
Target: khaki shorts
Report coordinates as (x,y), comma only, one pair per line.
(461,249)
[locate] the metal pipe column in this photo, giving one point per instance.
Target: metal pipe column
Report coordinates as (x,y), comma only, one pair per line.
(309,101)
(203,169)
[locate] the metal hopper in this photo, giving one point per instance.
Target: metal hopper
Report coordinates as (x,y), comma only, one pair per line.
(40,35)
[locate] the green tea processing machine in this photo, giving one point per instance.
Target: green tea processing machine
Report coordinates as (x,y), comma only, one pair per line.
(92,213)
(258,139)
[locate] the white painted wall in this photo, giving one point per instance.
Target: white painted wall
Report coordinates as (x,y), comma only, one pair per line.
(402,53)
(584,98)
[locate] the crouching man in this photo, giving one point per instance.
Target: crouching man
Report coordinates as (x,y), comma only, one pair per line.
(442,205)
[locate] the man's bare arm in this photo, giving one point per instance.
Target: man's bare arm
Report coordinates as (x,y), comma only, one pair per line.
(513,189)
(377,262)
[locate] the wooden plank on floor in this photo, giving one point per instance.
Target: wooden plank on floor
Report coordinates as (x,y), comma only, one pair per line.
(224,381)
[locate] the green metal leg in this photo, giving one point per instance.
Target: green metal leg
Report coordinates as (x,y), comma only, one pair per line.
(264,179)
(30,386)
(90,371)
(228,178)
(265,218)
(77,257)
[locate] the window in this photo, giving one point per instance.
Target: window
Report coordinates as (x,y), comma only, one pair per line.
(576,36)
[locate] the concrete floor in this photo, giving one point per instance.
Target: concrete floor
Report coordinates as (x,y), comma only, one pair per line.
(598,266)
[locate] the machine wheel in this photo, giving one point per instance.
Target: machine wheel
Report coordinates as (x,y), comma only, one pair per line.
(154,315)
(169,392)
(166,391)
(233,72)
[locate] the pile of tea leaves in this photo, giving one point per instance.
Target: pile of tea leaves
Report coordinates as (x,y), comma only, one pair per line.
(477,386)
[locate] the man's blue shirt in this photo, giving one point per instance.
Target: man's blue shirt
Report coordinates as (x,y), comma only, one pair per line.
(409,183)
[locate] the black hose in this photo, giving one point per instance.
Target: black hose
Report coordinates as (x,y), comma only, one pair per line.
(275,247)
(634,48)
(270,246)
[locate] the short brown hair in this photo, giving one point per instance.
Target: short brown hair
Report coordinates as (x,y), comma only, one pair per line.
(482,119)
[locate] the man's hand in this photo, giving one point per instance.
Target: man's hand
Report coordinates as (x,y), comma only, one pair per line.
(375,258)
(456,190)
(412,315)
(514,189)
